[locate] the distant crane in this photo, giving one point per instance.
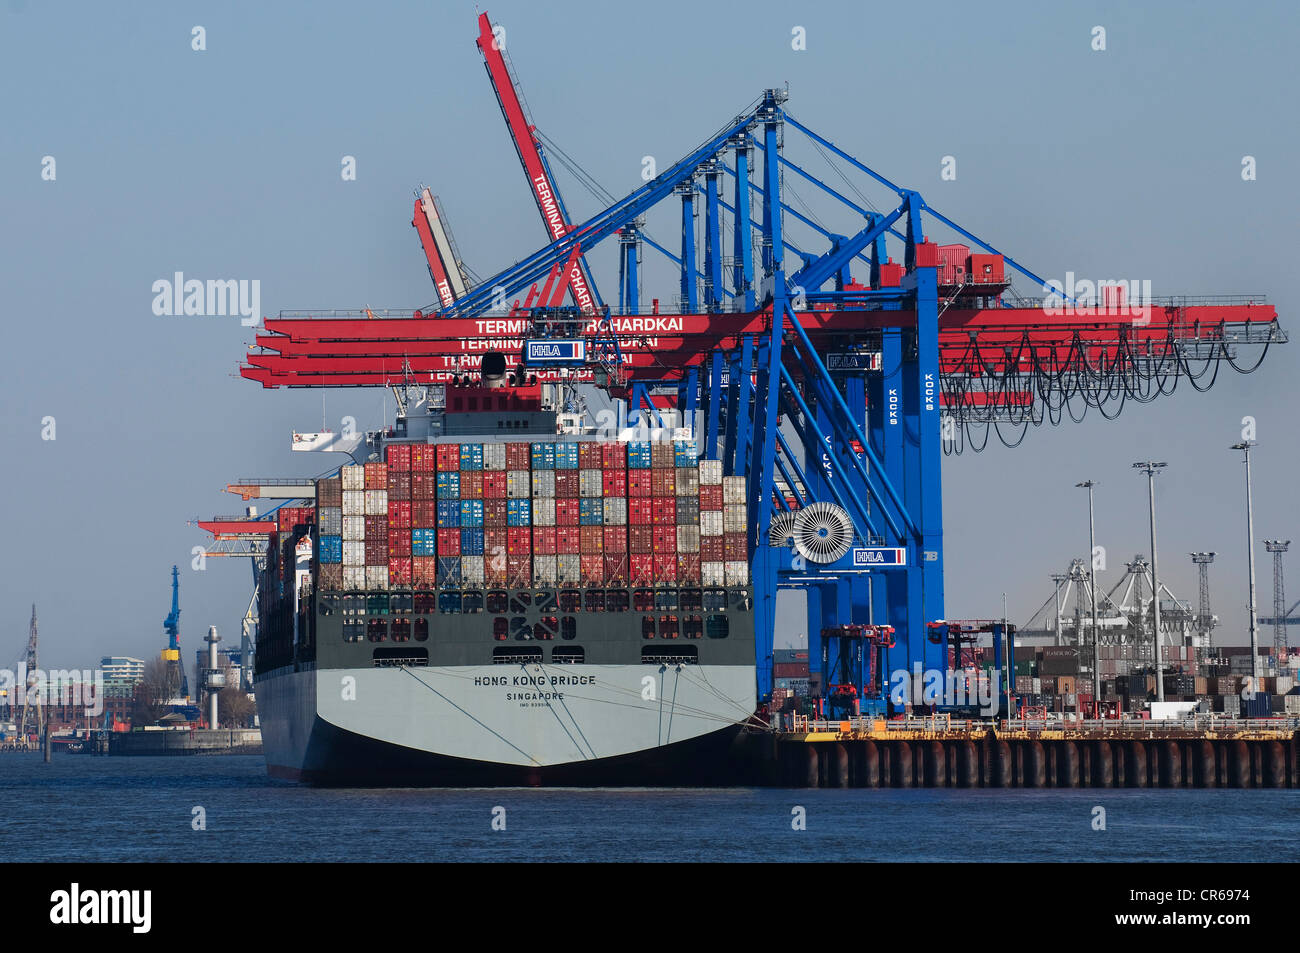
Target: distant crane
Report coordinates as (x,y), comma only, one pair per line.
(1204,621)
(172,626)
(1277,547)
(32,721)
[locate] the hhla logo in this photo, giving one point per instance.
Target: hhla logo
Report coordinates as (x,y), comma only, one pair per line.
(76,906)
(1131,298)
(208,299)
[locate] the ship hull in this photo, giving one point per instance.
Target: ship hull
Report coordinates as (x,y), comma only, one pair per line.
(480,725)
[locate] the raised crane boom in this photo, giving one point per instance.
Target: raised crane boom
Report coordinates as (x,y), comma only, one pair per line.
(439,250)
(549,204)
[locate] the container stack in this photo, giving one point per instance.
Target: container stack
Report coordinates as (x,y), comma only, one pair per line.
(523,515)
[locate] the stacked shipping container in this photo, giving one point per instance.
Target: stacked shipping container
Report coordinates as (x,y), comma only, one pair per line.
(521,515)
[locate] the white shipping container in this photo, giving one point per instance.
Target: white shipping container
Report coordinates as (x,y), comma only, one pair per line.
(354,527)
(494,456)
(354,552)
(688,539)
(688,481)
(710,472)
(733,518)
(615,511)
(518,485)
(354,477)
(376,577)
(733,490)
(543,512)
(354,502)
(331,521)
(376,502)
(545,570)
(471,571)
(737,572)
(354,578)
(568,569)
(711,522)
(591,483)
(544,484)
(713,574)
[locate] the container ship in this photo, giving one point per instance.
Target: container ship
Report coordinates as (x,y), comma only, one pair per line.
(492,595)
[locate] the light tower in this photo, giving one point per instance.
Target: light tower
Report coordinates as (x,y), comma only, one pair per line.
(1277,547)
(1204,621)
(1151,468)
(1092,588)
(214,680)
(1246,446)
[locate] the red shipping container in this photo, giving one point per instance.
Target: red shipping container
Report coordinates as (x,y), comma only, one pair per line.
(613,456)
(424,513)
(448,456)
(399,543)
(399,484)
(399,514)
(471,485)
(641,569)
(519,570)
(593,540)
(641,539)
(376,527)
(568,539)
(518,456)
(399,571)
(614,482)
(735,546)
(616,569)
(495,513)
(566,484)
(592,569)
(663,482)
(494,484)
(424,485)
(711,497)
(615,539)
(424,571)
(665,539)
(377,552)
(448,542)
(640,510)
(376,476)
(567,511)
(639,483)
(666,568)
(688,569)
(545,540)
(494,543)
(712,549)
(418,453)
(588,455)
(519,540)
(663,509)
(398,456)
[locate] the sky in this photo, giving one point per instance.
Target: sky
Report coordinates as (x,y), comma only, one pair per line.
(225,163)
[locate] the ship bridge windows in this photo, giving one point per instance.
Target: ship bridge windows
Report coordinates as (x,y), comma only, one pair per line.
(568,655)
(449,601)
(616,600)
(643,600)
(717,627)
(595,600)
(496,601)
(715,600)
(570,600)
(420,627)
(669,655)
(472,602)
(568,627)
(401,630)
(666,600)
(377,630)
(517,655)
(424,602)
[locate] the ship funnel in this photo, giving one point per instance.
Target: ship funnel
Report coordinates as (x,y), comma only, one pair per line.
(494,369)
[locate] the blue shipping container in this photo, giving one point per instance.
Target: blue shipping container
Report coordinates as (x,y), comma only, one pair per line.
(471,456)
(448,514)
(685,452)
(471,542)
(331,549)
(566,456)
(638,455)
(471,512)
(449,485)
(543,456)
(519,512)
(424,542)
(449,572)
(591,512)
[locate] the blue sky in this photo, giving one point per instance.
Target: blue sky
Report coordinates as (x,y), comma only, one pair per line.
(225,163)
